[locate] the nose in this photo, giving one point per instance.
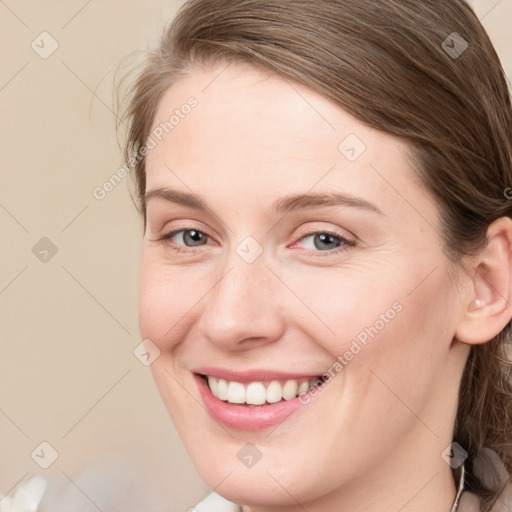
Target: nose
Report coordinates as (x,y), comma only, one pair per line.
(244,308)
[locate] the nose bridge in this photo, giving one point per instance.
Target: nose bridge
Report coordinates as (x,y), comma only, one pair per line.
(242,303)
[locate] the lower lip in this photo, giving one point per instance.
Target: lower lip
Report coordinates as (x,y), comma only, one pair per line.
(244,417)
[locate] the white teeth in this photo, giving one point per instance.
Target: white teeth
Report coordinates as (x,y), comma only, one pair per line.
(236,393)
(222,390)
(303,388)
(290,389)
(255,393)
(274,392)
(214,385)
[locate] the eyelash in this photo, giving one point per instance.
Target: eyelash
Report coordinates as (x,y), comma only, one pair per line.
(344,242)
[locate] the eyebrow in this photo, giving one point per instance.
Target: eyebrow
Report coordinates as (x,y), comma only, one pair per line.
(302,201)
(285,204)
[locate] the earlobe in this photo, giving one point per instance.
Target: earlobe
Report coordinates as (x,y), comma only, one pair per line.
(489,307)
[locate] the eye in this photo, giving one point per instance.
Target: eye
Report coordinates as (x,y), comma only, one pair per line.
(186,237)
(324,241)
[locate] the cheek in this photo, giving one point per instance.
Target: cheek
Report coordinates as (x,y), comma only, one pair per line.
(355,310)
(345,310)
(382,317)
(167,297)
(406,357)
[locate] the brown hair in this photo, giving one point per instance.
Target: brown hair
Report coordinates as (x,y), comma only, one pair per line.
(402,67)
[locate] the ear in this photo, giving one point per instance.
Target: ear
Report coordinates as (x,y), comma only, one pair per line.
(488,307)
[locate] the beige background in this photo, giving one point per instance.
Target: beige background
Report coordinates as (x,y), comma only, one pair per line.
(68,375)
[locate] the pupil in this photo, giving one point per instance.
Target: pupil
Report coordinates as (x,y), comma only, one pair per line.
(326,239)
(194,237)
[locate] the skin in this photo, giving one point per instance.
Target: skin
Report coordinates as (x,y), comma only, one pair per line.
(372,439)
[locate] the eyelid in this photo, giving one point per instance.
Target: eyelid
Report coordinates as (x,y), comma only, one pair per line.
(346,241)
(345,244)
(173,226)
(170,234)
(160,222)
(348,238)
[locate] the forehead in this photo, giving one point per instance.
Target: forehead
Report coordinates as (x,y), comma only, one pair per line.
(242,100)
(249,128)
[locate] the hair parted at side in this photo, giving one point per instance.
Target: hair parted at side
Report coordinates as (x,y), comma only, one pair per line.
(384,62)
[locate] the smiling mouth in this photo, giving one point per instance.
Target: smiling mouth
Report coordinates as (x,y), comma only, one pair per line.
(258,393)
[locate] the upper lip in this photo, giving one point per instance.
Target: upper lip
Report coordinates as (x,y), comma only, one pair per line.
(252,375)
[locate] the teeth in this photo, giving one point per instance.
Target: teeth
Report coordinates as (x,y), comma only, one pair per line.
(303,388)
(236,393)
(274,392)
(222,389)
(214,386)
(256,393)
(290,389)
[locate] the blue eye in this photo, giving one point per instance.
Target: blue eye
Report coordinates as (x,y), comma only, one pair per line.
(324,241)
(318,242)
(187,237)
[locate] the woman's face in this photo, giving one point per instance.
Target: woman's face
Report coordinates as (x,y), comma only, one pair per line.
(286,241)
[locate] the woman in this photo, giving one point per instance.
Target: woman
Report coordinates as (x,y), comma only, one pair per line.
(326,271)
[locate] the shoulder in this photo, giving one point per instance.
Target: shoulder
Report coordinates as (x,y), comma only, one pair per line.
(469,502)
(215,503)
(27,498)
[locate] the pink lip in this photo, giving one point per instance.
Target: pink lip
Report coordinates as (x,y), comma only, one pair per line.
(252,375)
(244,417)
